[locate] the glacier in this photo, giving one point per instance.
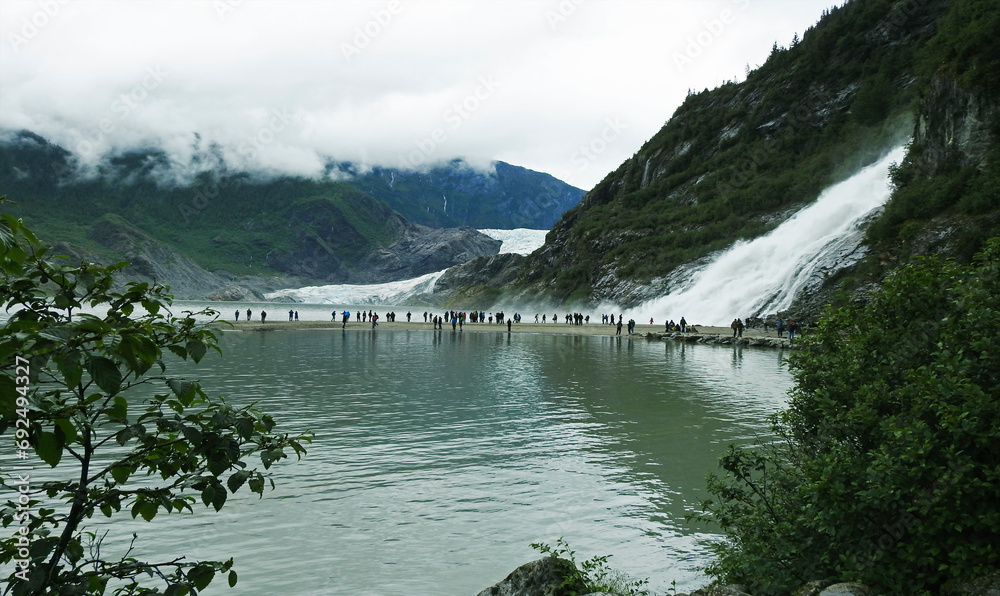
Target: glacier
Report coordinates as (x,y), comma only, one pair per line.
(521,241)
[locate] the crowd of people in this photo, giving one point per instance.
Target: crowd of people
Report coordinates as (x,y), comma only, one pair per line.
(458,319)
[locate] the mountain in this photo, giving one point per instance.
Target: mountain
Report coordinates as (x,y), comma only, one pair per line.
(456,194)
(735,162)
(248,230)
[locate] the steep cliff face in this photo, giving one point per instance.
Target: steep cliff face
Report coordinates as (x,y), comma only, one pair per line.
(153,261)
(734,162)
(957,126)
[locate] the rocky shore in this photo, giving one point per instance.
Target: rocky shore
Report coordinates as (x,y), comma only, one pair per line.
(548,577)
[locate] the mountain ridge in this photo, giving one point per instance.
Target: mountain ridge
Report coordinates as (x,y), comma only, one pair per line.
(733,162)
(302,230)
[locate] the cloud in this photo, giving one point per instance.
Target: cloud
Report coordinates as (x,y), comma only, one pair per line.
(283,86)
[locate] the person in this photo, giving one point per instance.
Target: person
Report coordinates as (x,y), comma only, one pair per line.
(739,327)
(733,326)
(374,319)
(508,325)
(249,313)
(792,328)
(408,314)
(290,313)
(618,329)
(347,317)
(684,325)
(237,315)
(333,316)
(296,315)
(263,316)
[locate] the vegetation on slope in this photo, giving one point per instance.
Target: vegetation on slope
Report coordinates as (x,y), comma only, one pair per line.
(940,181)
(230,222)
(455,194)
(886,467)
(731,162)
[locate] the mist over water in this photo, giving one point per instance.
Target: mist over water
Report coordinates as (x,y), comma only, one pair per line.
(762,276)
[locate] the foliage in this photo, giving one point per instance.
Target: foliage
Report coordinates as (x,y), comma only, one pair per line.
(71,386)
(885,467)
(251,225)
(592,575)
(729,160)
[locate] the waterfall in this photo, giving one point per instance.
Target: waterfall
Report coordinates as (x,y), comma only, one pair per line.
(762,276)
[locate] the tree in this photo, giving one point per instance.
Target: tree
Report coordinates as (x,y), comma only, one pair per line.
(885,468)
(69,383)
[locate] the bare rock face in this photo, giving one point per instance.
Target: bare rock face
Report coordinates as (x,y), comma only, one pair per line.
(496,270)
(236,293)
(424,250)
(152,260)
(543,577)
(955,124)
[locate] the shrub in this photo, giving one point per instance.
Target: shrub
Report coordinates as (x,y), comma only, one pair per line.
(68,382)
(886,466)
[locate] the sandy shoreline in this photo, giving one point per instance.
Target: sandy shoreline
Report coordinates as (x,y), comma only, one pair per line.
(524,327)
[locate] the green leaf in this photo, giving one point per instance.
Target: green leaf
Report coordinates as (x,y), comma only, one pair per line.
(256,484)
(237,479)
(105,373)
(201,576)
(196,350)
(119,411)
(184,390)
(67,429)
(49,447)
(232,578)
(71,369)
(121,473)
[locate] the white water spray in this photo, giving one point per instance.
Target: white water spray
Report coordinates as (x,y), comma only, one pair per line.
(762,276)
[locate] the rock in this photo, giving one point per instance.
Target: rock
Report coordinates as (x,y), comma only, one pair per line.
(543,577)
(495,270)
(847,589)
(424,250)
(236,293)
(813,588)
(714,590)
(988,585)
(152,260)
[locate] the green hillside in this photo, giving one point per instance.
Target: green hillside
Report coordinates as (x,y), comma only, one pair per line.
(733,162)
(231,222)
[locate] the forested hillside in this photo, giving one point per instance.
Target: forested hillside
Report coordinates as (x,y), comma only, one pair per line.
(320,230)
(455,194)
(734,162)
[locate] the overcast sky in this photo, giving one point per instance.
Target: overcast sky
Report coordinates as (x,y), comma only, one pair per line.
(568,87)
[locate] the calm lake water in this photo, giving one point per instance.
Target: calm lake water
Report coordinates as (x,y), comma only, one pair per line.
(440,456)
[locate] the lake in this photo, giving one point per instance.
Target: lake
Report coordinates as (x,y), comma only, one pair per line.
(440,456)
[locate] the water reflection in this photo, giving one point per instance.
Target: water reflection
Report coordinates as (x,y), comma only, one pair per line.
(440,456)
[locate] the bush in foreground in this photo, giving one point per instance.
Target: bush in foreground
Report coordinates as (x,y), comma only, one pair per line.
(68,384)
(885,468)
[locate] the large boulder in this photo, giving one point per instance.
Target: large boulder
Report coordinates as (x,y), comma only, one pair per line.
(543,577)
